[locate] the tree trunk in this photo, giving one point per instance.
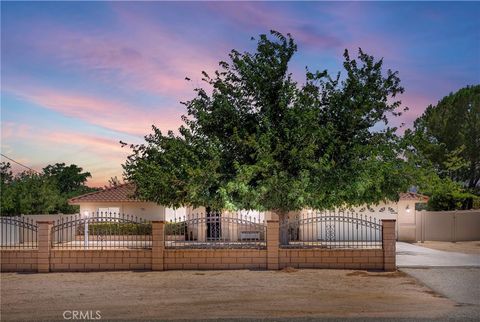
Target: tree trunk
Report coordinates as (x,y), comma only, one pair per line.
(283,220)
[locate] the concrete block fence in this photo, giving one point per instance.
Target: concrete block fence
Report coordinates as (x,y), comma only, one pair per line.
(158,258)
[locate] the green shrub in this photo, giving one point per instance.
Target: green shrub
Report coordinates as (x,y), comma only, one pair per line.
(111,228)
(176,228)
(476,203)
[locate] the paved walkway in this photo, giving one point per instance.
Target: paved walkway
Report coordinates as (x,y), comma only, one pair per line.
(413,256)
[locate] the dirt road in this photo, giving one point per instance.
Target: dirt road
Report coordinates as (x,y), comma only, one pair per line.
(219,294)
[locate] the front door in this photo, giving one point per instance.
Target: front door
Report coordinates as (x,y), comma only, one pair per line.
(214,228)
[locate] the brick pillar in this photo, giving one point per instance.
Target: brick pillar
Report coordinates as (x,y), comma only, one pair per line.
(44,245)
(158,245)
(389,245)
(273,242)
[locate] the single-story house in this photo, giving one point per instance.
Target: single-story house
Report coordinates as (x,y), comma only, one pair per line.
(119,200)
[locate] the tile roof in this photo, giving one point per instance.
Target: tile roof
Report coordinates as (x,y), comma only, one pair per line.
(413,196)
(123,193)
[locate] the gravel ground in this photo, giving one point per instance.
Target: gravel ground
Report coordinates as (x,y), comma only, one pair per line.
(302,295)
(459,284)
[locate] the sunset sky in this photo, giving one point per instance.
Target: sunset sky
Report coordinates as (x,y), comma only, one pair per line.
(78,77)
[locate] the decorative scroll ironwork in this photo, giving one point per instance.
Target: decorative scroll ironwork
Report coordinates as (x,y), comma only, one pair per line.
(216,230)
(330,229)
(330,232)
(102,230)
(18,233)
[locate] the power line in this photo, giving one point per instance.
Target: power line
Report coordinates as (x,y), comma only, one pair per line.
(3,155)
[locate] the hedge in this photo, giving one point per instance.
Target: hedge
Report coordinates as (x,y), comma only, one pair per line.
(110,228)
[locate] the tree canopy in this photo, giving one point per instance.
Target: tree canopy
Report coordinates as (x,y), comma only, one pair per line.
(29,192)
(254,138)
(448,136)
(68,178)
(442,150)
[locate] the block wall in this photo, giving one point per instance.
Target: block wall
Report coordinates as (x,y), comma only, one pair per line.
(98,260)
(339,259)
(215,259)
(17,260)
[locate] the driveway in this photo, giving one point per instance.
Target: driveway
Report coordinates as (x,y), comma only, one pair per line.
(449,274)
(413,256)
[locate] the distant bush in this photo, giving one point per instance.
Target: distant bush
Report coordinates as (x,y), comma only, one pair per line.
(453,200)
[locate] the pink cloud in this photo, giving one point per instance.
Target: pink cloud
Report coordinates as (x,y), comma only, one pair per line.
(7,130)
(149,59)
(416,103)
(110,114)
(11,129)
(337,30)
(260,16)
(99,155)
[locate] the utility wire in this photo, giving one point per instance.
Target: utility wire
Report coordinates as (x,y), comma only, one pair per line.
(3,155)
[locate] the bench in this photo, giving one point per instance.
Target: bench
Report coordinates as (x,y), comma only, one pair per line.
(249,235)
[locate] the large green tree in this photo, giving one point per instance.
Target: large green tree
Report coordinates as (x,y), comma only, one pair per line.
(6,194)
(256,139)
(70,181)
(448,136)
(68,178)
(29,192)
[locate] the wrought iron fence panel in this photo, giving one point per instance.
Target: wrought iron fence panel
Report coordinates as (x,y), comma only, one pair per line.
(216,230)
(101,231)
(18,233)
(331,229)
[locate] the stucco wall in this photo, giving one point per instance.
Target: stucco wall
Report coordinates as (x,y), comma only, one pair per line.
(144,210)
(406,220)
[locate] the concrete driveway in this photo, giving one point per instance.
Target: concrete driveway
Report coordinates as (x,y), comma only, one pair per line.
(449,274)
(413,256)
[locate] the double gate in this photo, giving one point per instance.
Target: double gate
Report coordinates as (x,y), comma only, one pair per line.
(330,229)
